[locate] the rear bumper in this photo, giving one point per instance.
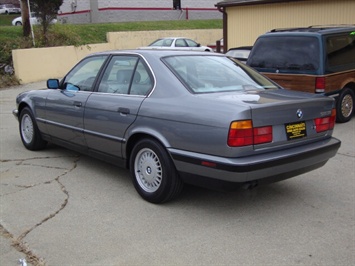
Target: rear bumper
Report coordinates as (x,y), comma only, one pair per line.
(279,165)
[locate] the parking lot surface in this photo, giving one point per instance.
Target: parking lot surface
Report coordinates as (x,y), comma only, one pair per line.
(58,207)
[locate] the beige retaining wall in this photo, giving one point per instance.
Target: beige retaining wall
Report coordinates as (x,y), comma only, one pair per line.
(38,64)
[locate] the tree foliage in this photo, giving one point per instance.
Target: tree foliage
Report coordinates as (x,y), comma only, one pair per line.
(46,10)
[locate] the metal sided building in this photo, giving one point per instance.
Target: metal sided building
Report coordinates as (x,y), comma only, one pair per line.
(245,20)
(101,11)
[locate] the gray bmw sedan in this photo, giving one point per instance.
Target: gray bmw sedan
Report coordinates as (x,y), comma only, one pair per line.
(175,117)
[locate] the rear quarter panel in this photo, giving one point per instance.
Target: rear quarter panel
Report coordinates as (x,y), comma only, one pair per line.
(306,83)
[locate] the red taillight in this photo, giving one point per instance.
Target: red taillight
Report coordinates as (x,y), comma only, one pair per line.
(242,133)
(262,134)
(320,85)
(325,123)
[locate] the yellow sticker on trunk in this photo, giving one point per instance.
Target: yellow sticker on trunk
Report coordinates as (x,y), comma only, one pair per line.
(296,130)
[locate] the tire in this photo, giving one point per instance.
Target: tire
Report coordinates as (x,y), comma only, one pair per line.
(153,173)
(29,132)
(345,105)
(18,23)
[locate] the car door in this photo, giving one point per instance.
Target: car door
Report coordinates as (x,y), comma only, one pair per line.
(65,106)
(114,106)
(193,45)
(180,44)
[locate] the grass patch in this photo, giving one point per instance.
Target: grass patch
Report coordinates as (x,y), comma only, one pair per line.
(80,34)
(96,33)
(5,20)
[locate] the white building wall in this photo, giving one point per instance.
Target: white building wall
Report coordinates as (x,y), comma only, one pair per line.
(85,4)
(79,4)
(199,3)
(78,11)
(139,3)
(157,3)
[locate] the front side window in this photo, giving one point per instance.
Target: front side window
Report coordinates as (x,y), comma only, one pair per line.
(83,75)
(126,75)
(285,54)
(208,74)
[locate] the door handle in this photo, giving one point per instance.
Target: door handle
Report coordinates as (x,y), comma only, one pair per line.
(77,104)
(123,110)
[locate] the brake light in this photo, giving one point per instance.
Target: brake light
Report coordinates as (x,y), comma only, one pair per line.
(325,123)
(242,133)
(262,135)
(320,85)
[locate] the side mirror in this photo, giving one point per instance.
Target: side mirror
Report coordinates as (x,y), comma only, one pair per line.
(53,84)
(198,45)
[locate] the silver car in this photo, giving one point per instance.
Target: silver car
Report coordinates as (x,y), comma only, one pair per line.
(180,117)
(9,9)
(177,43)
(33,20)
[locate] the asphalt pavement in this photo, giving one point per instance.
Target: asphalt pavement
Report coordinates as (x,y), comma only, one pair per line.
(58,207)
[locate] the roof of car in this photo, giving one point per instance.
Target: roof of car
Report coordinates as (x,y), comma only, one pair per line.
(163,38)
(319,29)
(159,52)
(241,48)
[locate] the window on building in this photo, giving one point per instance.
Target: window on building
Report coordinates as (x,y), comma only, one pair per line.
(177,4)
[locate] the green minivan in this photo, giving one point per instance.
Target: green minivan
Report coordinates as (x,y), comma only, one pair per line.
(318,59)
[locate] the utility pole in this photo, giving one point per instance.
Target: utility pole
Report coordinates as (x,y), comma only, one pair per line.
(94,11)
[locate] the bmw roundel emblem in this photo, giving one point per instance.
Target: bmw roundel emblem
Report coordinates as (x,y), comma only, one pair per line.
(299,113)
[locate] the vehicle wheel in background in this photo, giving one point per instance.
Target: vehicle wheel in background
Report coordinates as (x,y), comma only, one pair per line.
(30,135)
(345,105)
(18,23)
(153,172)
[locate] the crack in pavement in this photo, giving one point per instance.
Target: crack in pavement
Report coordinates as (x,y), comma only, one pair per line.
(22,162)
(22,247)
(345,154)
(18,243)
(35,158)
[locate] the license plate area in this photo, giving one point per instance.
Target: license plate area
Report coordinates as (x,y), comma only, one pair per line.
(296,130)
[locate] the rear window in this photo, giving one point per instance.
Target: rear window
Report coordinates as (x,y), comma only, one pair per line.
(209,74)
(340,52)
(289,53)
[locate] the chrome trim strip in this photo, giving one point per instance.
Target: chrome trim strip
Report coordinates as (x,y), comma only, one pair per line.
(105,136)
(84,131)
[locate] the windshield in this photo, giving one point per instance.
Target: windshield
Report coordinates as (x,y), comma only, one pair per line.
(208,74)
(285,53)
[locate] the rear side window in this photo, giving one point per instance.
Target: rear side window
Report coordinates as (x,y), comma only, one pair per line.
(288,53)
(340,52)
(126,75)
